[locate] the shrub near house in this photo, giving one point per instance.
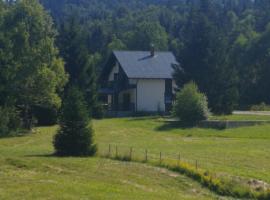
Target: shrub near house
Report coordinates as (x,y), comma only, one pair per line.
(191,106)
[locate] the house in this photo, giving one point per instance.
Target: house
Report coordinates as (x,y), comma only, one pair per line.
(139,81)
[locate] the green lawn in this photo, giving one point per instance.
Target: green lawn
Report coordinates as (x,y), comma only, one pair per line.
(239,152)
(241,117)
(28,172)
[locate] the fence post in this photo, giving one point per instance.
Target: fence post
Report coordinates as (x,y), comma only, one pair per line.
(160,158)
(116,151)
(130,153)
(146,156)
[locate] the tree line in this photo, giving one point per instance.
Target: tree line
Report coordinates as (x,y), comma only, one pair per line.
(222,45)
(49,46)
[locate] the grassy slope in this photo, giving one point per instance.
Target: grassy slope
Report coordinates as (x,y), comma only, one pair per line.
(241,152)
(26,172)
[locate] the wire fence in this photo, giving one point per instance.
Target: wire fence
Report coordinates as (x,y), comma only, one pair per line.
(144,155)
(128,153)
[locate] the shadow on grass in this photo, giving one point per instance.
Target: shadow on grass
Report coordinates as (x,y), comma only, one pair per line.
(167,126)
(52,155)
(143,118)
(18,134)
(42,156)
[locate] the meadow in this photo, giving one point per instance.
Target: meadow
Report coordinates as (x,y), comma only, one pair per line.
(240,152)
(29,171)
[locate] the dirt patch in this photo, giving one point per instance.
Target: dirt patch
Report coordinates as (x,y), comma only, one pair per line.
(167,172)
(258,185)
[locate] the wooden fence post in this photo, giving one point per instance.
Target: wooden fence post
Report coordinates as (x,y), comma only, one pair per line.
(130,153)
(146,156)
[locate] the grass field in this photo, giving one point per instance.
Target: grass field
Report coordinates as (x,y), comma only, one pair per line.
(241,117)
(241,152)
(27,171)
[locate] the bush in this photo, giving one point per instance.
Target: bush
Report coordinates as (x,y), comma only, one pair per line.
(260,107)
(98,111)
(75,136)
(191,106)
(10,121)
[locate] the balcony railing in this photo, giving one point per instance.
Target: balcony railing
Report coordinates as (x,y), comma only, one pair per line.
(120,107)
(116,86)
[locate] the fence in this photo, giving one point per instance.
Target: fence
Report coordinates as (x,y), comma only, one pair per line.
(210,164)
(144,155)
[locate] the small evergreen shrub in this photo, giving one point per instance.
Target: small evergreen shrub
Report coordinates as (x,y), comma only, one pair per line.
(75,136)
(191,106)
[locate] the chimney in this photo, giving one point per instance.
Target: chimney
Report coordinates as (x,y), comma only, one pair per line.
(152,51)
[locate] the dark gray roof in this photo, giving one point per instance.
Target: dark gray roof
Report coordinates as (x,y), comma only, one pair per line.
(140,64)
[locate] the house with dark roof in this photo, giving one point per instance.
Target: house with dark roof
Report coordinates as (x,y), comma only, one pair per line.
(139,81)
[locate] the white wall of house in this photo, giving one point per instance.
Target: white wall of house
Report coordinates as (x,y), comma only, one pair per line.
(114,70)
(150,95)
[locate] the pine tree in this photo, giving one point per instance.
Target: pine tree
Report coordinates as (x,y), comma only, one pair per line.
(75,137)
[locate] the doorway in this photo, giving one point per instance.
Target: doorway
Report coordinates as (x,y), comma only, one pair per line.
(126,102)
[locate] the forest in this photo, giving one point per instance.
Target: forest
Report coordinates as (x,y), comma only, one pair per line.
(47,46)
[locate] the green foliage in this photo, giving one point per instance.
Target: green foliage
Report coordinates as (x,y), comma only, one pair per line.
(224,39)
(147,33)
(45,115)
(33,73)
(260,107)
(75,136)
(9,121)
(191,106)
(80,63)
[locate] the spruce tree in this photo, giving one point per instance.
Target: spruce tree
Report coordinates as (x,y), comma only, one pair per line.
(75,136)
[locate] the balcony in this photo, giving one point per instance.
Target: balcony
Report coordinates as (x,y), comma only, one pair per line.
(113,87)
(121,107)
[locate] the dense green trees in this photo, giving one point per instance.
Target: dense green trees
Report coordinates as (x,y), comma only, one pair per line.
(223,46)
(79,62)
(214,40)
(32,73)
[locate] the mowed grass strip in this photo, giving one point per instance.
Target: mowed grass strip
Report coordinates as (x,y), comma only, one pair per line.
(28,171)
(241,117)
(241,152)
